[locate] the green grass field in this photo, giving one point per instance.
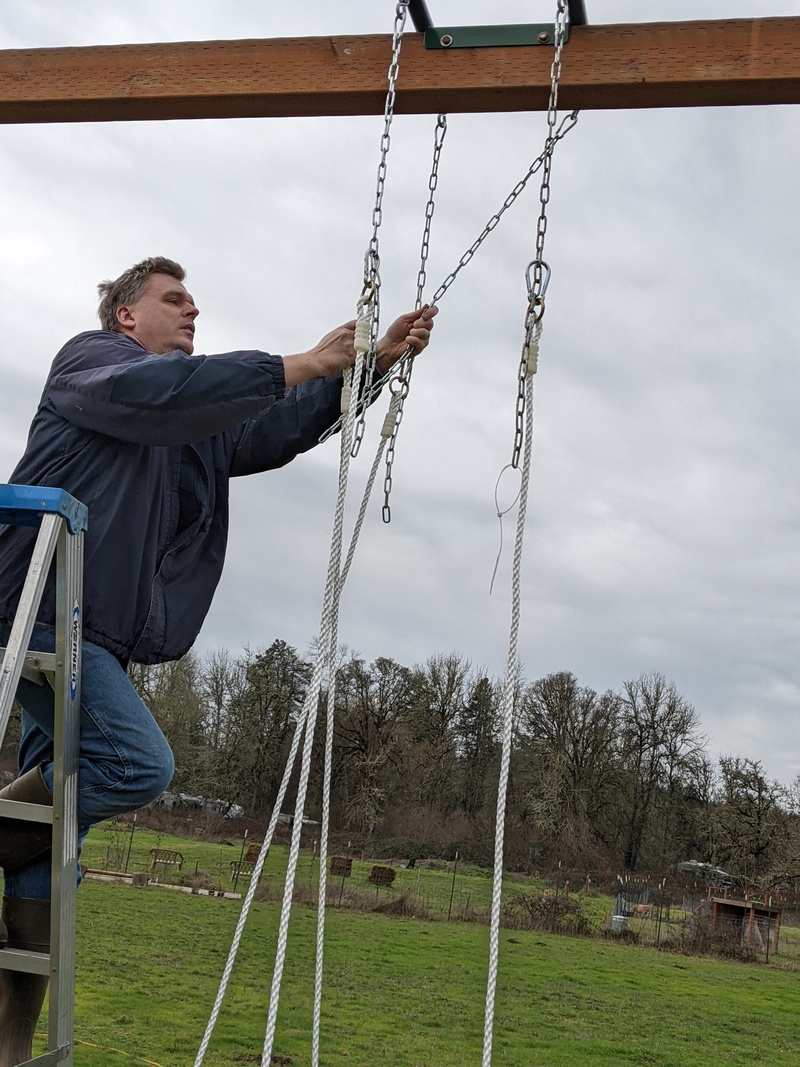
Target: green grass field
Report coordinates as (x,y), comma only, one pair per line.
(405,992)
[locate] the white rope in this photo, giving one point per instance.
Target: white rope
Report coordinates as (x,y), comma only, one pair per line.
(323,862)
(237,937)
(329,629)
(308,712)
(333,586)
(304,728)
(308,708)
(365,343)
(508,723)
(323,852)
(327,775)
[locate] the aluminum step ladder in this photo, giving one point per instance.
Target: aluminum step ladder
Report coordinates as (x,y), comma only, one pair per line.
(61,520)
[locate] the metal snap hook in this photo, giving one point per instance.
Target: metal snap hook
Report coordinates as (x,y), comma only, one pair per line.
(544,283)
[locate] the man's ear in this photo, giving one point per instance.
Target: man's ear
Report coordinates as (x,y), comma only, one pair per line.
(125,317)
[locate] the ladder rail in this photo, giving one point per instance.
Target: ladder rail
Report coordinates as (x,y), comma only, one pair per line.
(69,590)
(62,521)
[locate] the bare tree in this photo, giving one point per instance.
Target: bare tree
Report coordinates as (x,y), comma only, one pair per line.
(477,738)
(371,702)
(172,693)
(570,742)
(660,746)
(259,723)
(752,821)
(438,699)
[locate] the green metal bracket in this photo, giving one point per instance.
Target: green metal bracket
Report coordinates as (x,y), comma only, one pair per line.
(492,36)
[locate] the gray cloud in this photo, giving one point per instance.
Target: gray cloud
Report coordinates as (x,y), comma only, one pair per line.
(664,514)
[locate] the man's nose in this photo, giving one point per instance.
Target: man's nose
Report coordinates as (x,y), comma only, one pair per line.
(192,311)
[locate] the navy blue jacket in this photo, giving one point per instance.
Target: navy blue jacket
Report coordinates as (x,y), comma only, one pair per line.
(149,444)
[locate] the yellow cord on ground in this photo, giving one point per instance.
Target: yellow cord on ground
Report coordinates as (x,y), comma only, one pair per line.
(107,1048)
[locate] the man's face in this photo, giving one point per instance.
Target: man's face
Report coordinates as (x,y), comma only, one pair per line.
(162,319)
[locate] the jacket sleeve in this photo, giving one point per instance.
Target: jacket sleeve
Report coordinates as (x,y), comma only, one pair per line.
(290,426)
(106,383)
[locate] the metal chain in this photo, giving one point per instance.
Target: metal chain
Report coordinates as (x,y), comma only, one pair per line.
(439,135)
(400,381)
(537,286)
(372,259)
(564,128)
(566,125)
(552,117)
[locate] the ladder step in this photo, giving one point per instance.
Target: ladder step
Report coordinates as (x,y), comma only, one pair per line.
(39,667)
(15,959)
(58,1055)
(19,810)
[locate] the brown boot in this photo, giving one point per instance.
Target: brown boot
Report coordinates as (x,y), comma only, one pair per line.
(21,994)
(21,840)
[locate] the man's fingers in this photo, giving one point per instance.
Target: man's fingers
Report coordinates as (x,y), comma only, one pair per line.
(420,333)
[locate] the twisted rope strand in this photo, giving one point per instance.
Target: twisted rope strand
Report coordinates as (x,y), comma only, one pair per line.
(330,609)
(508,730)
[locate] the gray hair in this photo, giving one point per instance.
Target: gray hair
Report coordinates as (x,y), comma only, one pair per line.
(128,288)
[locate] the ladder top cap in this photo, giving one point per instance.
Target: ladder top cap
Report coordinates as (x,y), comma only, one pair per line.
(22,505)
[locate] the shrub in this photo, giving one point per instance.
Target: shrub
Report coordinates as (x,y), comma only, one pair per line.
(560,914)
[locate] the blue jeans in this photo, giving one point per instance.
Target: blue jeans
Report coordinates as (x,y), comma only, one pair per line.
(124,759)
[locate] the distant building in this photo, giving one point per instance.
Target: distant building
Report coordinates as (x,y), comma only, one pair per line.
(754,923)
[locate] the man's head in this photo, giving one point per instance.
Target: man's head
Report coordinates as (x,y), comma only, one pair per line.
(150,304)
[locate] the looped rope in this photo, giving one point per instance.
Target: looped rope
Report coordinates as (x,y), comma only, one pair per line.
(500,513)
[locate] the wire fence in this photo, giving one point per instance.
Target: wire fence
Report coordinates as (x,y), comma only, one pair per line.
(639,914)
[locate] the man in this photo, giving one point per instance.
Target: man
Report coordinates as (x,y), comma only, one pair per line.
(147,435)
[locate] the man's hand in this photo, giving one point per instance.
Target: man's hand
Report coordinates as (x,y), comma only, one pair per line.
(412,330)
(336,351)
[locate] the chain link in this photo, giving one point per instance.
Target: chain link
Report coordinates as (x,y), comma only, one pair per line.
(535,310)
(372,258)
(401,378)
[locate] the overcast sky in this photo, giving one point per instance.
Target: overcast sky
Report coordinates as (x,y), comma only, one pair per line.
(664,512)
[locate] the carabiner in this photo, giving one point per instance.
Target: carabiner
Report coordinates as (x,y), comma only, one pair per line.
(543,285)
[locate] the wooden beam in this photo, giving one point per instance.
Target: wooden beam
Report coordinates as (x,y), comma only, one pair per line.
(650,65)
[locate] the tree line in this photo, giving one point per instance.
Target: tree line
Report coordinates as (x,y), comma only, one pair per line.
(598,781)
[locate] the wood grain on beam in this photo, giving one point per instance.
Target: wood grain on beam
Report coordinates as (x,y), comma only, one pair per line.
(663,64)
